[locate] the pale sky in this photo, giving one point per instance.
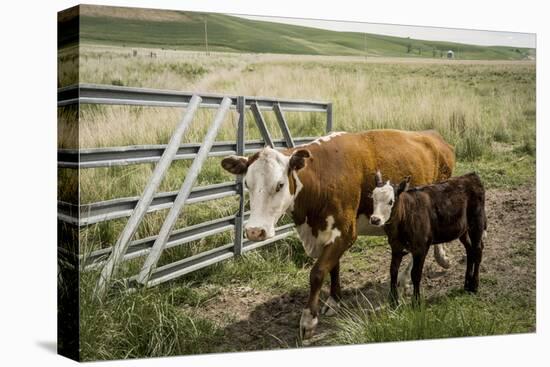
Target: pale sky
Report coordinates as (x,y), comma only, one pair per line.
(473,37)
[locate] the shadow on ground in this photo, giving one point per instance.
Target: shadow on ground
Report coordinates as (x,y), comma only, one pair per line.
(273,324)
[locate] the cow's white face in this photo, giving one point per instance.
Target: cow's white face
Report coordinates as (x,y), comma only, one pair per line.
(267,181)
(383,198)
(268,189)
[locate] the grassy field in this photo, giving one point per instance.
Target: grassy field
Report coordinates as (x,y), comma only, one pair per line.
(485,109)
(185,30)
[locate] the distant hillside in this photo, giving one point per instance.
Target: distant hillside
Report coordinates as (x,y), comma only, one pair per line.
(185,30)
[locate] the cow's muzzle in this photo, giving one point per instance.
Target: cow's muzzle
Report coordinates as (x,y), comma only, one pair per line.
(255,233)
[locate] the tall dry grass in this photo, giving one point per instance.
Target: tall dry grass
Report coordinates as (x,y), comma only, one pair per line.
(462,101)
(472,105)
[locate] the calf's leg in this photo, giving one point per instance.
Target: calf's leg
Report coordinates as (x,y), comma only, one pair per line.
(396,257)
(476,227)
(468,277)
(476,233)
(416,276)
(478,252)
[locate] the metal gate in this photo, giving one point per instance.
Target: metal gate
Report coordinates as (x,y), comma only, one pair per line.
(163,155)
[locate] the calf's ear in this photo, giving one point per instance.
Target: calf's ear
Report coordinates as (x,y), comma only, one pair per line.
(235,164)
(404,185)
(298,159)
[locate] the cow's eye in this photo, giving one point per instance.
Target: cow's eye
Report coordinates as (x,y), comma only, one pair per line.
(279,187)
(390,203)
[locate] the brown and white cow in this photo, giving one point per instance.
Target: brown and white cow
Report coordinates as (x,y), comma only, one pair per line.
(326,186)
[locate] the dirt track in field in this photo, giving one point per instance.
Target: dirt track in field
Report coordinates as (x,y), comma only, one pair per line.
(253,319)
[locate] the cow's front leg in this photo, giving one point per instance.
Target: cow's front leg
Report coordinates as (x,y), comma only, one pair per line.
(310,314)
(326,262)
(330,308)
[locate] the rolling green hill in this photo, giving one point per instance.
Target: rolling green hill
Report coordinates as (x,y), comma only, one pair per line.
(185,30)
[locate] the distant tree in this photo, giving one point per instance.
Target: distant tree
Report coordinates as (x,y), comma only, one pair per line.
(434,52)
(409,45)
(420,50)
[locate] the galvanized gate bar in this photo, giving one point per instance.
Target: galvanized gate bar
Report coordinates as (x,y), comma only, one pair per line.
(280,233)
(192,174)
(261,125)
(142,206)
(241,146)
(178,268)
(329,117)
(122,156)
(101,211)
(283,125)
(178,237)
(118,95)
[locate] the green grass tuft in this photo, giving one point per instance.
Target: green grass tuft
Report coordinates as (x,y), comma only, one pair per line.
(147,323)
(452,316)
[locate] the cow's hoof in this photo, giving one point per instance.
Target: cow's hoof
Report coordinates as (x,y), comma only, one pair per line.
(470,286)
(307,324)
(404,278)
(330,308)
(445,263)
(441,257)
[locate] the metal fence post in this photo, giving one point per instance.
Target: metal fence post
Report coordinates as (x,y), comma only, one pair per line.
(179,202)
(119,249)
(283,125)
(261,124)
(239,217)
(329,117)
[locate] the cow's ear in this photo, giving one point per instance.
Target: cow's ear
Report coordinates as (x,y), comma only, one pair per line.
(298,159)
(378,179)
(235,164)
(404,185)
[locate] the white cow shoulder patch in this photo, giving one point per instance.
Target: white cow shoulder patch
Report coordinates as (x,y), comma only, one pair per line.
(328,137)
(314,245)
(324,139)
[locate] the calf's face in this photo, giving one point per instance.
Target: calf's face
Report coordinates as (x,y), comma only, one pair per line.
(384,197)
(267,178)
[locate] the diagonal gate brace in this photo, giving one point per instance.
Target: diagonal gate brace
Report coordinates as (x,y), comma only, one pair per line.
(119,249)
(261,124)
(283,125)
(160,242)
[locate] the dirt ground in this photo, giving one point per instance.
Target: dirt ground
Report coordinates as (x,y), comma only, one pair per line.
(253,319)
